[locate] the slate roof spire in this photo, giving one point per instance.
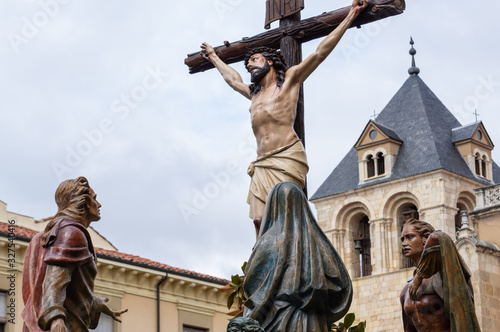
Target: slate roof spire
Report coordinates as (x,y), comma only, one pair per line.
(414,70)
(422,122)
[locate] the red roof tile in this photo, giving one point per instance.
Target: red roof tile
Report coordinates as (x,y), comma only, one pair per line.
(26,234)
(21,233)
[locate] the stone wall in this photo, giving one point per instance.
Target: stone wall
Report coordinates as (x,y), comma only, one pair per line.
(483,254)
(376,300)
(483,259)
(487,288)
(436,196)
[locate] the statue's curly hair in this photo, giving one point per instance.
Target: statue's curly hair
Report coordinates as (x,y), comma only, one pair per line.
(279,65)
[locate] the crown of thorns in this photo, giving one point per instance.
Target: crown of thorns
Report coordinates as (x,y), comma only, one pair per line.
(263,49)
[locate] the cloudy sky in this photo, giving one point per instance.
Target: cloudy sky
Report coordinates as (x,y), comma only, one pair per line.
(100,89)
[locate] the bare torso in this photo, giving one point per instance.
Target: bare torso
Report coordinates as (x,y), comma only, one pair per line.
(273,112)
(427,314)
(274,109)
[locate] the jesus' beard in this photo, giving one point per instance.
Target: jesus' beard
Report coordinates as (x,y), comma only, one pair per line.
(260,72)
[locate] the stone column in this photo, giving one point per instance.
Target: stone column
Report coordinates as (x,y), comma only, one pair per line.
(362,170)
(388,228)
(481,161)
(330,234)
(334,237)
(471,162)
(479,198)
(389,161)
(341,241)
(377,247)
(489,170)
(383,229)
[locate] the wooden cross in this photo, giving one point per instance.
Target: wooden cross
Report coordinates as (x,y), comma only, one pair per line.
(290,35)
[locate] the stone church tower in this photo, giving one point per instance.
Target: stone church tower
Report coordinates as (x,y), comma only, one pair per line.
(414,160)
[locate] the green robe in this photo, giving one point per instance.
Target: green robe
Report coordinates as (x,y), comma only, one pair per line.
(458,296)
(294,279)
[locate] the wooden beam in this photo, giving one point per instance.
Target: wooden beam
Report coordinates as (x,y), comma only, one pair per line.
(291,50)
(303,31)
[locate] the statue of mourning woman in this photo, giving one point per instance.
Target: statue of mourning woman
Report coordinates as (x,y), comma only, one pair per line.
(294,279)
(439,298)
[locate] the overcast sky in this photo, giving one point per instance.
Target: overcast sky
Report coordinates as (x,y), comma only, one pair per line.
(100,89)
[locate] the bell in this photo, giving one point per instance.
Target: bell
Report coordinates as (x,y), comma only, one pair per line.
(358,245)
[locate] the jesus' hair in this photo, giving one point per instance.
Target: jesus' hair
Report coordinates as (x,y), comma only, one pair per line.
(278,64)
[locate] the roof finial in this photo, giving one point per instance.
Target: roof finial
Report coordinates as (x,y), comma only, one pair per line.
(414,70)
(476,114)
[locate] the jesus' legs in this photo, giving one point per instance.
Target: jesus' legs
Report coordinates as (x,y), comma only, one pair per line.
(257,207)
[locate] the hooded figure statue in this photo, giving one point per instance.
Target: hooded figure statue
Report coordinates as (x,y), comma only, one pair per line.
(294,280)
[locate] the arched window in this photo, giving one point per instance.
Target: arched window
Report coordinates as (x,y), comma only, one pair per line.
(483,167)
(362,248)
(405,212)
(380,163)
(478,164)
(370,166)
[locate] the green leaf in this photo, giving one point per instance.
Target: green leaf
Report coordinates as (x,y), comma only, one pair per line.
(349,319)
(359,328)
(235,279)
(235,291)
(230,300)
(241,293)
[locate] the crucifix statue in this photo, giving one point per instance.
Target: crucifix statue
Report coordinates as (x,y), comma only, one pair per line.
(276,93)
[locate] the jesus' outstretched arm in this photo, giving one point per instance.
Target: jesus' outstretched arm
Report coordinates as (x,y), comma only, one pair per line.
(231,76)
(299,73)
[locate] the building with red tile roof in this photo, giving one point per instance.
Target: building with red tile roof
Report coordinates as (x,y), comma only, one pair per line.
(159,297)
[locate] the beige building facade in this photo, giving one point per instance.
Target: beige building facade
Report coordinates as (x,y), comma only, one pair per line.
(376,296)
(414,160)
(159,297)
